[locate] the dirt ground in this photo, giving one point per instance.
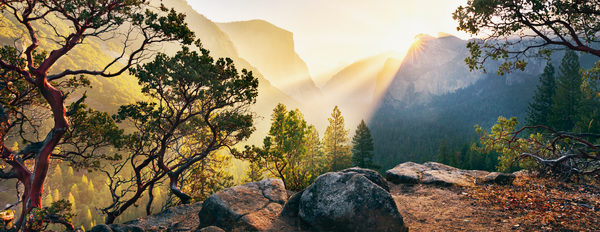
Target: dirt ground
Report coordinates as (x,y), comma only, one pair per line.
(431,208)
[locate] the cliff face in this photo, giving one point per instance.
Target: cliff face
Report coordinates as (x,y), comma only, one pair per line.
(272,51)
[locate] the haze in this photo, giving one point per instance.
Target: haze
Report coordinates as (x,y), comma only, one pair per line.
(328,36)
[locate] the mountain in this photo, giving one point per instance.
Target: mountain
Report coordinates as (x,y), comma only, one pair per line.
(432,66)
(434,101)
(271,50)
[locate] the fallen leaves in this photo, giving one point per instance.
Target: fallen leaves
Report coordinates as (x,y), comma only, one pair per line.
(545,204)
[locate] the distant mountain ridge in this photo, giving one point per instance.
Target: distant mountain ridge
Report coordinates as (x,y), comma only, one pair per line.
(272,51)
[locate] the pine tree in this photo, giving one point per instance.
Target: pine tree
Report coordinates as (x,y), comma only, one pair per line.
(254,172)
(84,179)
(567,101)
(362,147)
(48,199)
(283,149)
(72,200)
(91,186)
(315,161)
(208,176)
(540,109)
(335,142)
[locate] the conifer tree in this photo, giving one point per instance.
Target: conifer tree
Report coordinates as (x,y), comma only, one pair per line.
(335,142)
(48,199)
(208,176)
(540,109)
(72,200)
(567,101)
(56,195)
(254,172)
(284,148)
(315,162)
(362,147)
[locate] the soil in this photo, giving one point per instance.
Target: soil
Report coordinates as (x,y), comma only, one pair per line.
(433,208)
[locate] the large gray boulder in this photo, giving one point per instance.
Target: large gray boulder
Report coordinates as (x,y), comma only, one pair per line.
(249,207)
(350,200)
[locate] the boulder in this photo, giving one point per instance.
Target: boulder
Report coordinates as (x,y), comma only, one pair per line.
(406,173)
(125,228)
(176,218)
(498,178)
(349,200)
(116,228)
(249,207)
(446,178)
(211,229)
(433,173)
(292,206)
(101,228)
(373,176)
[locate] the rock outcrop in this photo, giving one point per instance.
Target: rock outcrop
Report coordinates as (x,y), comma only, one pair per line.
(249,207)
(443,175)
(116,228)
(210,229)
(350,200)
(176,218)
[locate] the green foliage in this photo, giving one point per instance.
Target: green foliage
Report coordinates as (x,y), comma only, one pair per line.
(335,142)
(568,100)
(540,109)
(197,105)
(291,151)
(284,148)
(501,139)
(208,176)
(59,212)
(254,173)
(362,147)
(28,72)
(515,29)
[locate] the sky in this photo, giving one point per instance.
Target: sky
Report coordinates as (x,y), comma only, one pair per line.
(330,34)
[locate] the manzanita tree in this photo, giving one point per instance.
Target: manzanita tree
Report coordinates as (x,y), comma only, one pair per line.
(511,30)
(197,105)
(29,89)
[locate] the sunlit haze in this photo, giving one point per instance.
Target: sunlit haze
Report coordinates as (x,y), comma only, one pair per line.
(334,33)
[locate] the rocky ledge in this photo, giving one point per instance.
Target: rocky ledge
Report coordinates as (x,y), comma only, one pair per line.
(444,175)
(353,199)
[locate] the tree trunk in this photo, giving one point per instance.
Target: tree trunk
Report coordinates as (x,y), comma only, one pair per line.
(32,197)
(174,179)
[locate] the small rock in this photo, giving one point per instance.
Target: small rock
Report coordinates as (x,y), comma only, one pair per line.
(498,178)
